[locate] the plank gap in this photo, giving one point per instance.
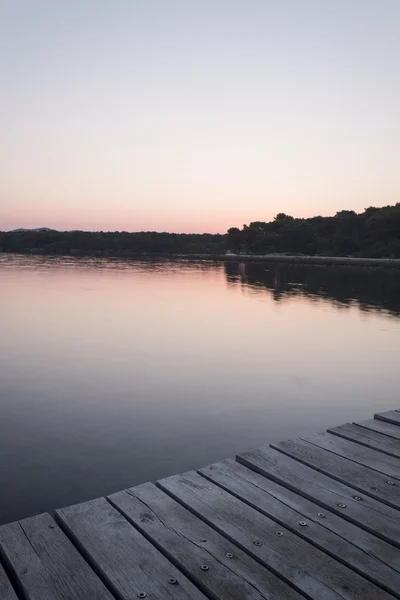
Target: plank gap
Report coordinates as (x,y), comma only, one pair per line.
(164,552)
(16,589)
(92,564)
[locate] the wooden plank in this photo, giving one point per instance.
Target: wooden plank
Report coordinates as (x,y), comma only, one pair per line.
(391,416)
(358,549)
(388,429)
(361,478)
(387,443)
(286,554)
(6,589)
(330,494)
(125,559)
(368,438)
(190,544)
(373,459)
(46,564)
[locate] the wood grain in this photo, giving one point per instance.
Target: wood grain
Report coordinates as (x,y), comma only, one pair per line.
(371,515)
(128,562)
(388,429)
(46,564)
(288,554)
(355,547)
(368,438)
(373,459)
(6,589)
(357,476)
(190,543)
(391,416)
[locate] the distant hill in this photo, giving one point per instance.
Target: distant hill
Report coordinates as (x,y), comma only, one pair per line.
(37,230)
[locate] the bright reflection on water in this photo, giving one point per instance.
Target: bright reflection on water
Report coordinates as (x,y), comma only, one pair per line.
(113,373)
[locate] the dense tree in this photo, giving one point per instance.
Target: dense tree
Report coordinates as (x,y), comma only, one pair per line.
(234,239)
(110,243)
(372,233)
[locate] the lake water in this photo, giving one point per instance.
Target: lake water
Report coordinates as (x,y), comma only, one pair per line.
(117,372)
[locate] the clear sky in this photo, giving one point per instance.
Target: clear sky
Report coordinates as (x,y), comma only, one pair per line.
(196,115)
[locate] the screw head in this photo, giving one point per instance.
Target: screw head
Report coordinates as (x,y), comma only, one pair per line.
(358,498)
(229,555)
(171,580)
(390,482)
(142,595)
(257,543)
(303,523)
(341,505)
(204,567)
(321,515)
(279,533)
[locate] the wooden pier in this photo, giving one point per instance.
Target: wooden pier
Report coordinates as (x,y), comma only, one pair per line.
(315,517)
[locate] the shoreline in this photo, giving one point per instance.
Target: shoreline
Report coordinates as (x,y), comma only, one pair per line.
(318,260)
(267,258)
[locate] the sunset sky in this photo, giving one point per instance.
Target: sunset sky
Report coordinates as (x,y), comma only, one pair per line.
(196,115)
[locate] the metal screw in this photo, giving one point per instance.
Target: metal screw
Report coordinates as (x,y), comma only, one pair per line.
(341,505)
(358,498)
(391,482)
(257,543)
(229,555)
(204,568)
(303,523)
(321,515)
(171,580)
(279,533)
(142,595)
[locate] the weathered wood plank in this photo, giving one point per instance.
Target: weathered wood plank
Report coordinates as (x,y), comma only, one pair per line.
(285,553)
(388,429)
(125,559)
(361,478)
(373,459)
(371,515)
(391,416)
(355,547)
(368,438)
(46,564)
(228,574)
(6,589)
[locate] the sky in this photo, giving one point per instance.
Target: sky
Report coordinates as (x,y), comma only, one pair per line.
(196,115)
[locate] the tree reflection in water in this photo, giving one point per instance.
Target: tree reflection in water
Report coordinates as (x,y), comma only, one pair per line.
(369,289)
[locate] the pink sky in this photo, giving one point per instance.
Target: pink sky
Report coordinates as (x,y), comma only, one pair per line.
(194,117)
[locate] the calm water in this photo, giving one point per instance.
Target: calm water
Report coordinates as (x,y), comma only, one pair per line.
(113,373)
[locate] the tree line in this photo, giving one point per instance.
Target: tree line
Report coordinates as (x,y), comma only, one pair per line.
(122,244)
(373,233)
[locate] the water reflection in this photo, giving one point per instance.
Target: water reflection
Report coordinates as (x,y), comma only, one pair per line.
(368,289)
(114,372)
